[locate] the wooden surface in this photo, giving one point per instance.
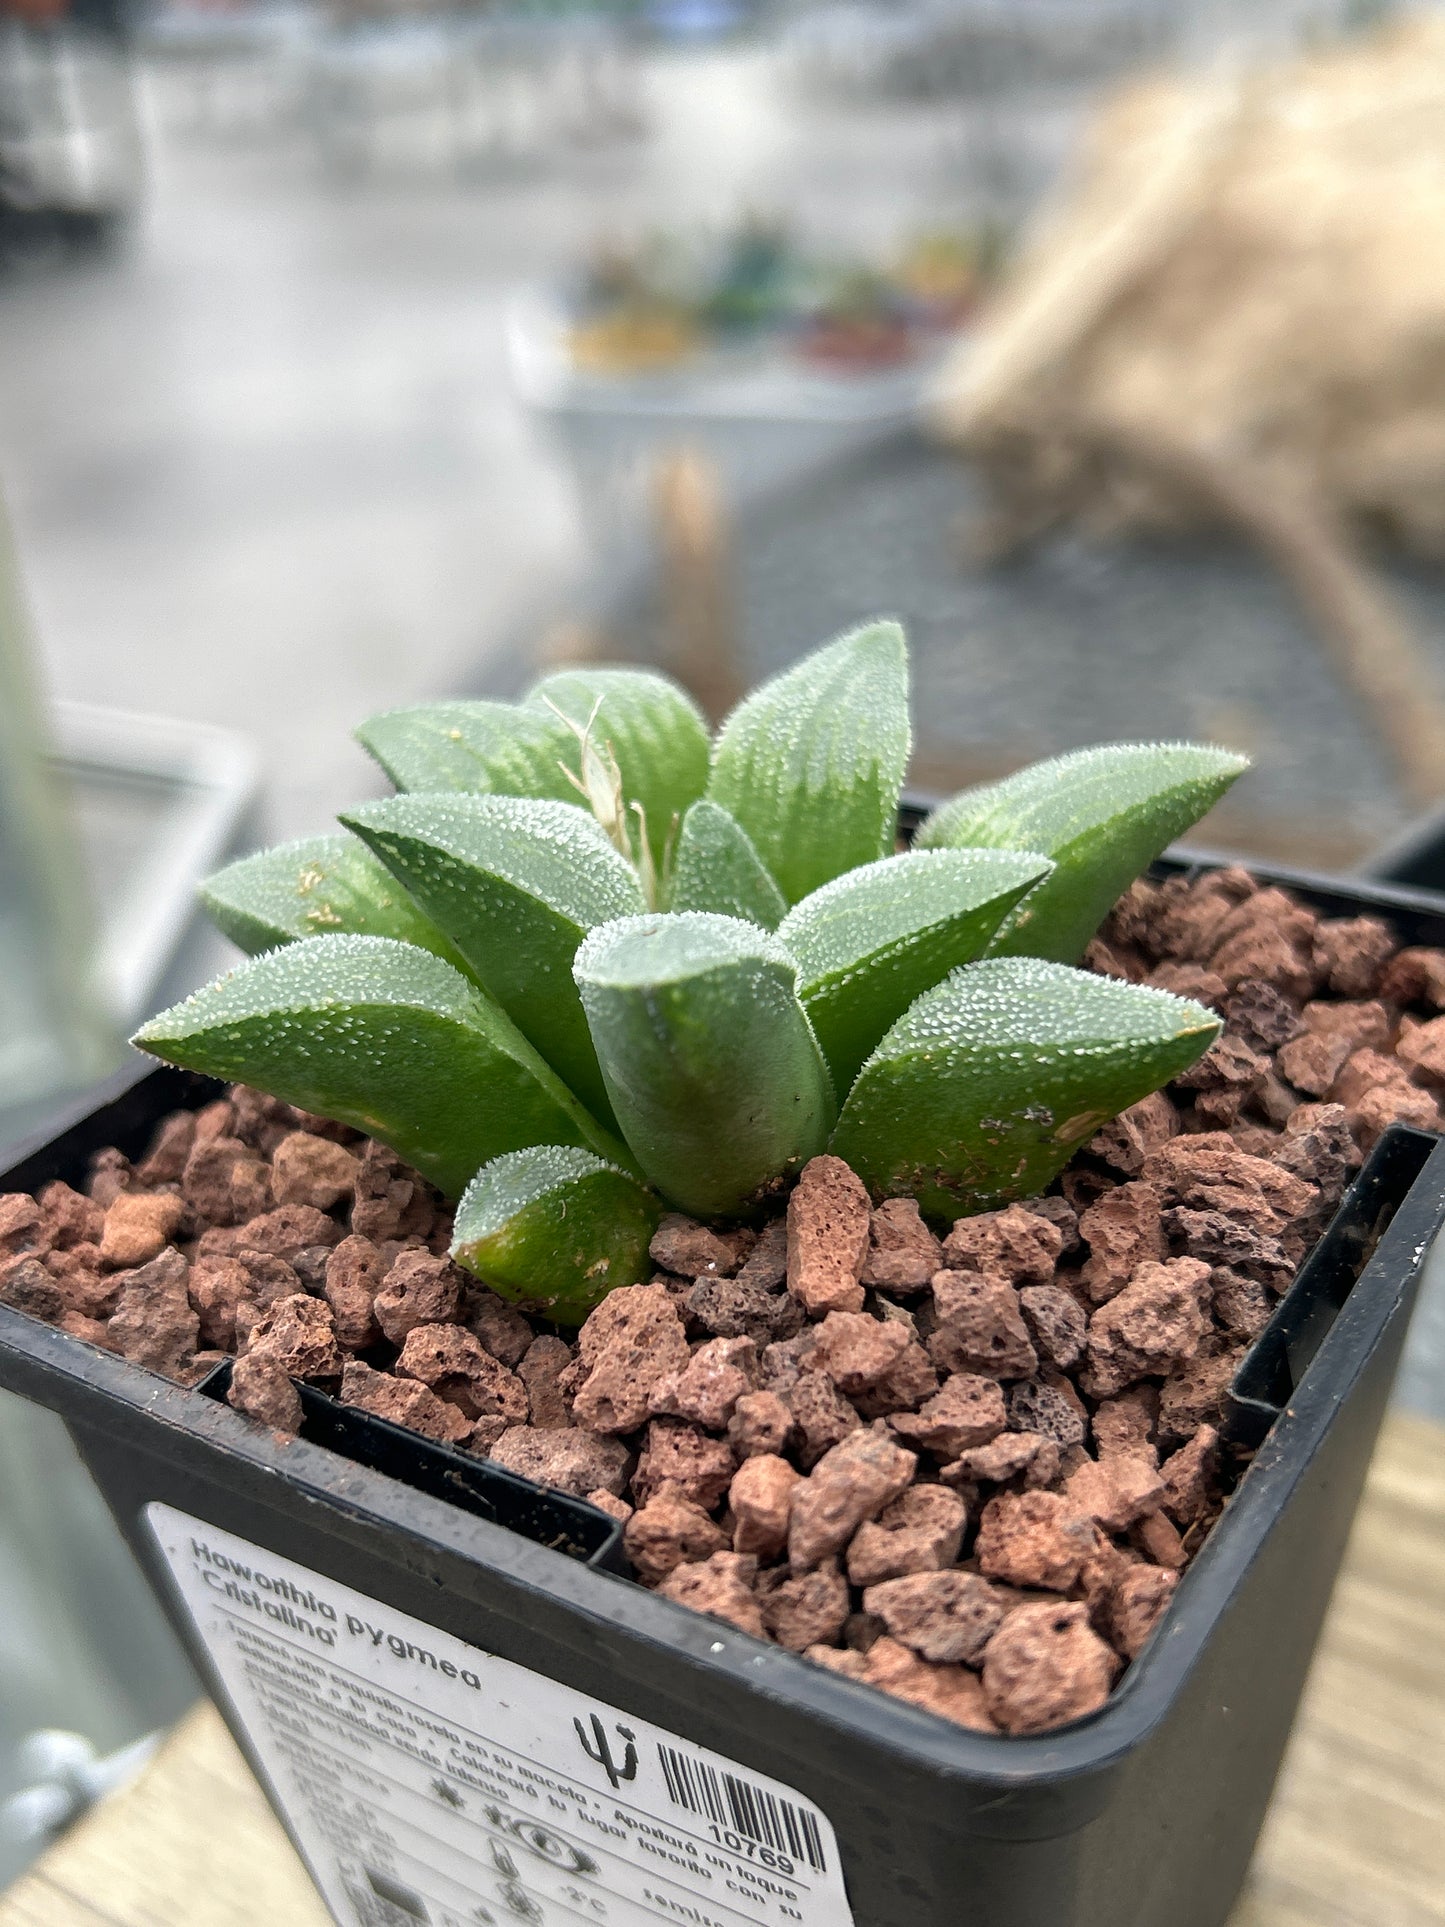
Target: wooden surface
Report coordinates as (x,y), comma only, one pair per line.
(1356,1836)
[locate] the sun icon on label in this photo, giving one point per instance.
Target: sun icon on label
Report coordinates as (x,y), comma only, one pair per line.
(444,1791)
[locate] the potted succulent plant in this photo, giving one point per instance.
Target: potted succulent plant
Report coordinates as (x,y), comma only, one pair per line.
(617,1157)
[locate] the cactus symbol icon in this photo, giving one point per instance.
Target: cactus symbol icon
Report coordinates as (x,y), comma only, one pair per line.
(598,1747)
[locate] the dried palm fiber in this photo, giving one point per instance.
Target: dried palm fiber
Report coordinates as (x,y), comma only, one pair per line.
(1236,313)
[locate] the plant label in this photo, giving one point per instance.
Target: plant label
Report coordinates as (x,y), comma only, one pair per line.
(427,1781)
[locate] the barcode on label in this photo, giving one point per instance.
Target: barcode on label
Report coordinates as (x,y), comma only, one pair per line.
(747,1809)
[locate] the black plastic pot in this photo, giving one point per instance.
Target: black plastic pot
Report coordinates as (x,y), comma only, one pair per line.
(1143,1815)
(1415,858)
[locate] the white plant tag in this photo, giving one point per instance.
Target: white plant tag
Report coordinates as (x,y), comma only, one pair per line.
(429,1782)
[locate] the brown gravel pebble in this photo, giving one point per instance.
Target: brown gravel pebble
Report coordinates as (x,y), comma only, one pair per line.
(761,1498)
(1124,1427)
(405,1401)
(298,1335)
(263,1390)
(1127,1140)
(1134,1604)
(312,1170)
(739,1308)
(93,1330)
(920,1531)
(1242,1305)
(1034,1539)
(1015,1244)
(153,1323)
(946,1617)
(1156,1536)
(903,1253)
(1044,1667)
(804,1609)
(540,1370)
(1351,954)
(1329,1036)
(224,1181)
(1194,1395)
(1156,1322)
(1014,1455)
(856,1350)
(500,1327)
(968,1411)
(953,1692)
(138,1227)
(25,1285)
(165,1161)
(290,1227)
(683,1456)
(355,1272)
(760,1423)
(850,1483)
(689,1250)
(821,1416)
(631,1343)
(766,1265)
(573,1460)
(23,1230)
(69,1217)
(451,1360)
(980,1327)
(1048,1405)
(1115,1492)
(1187,1477)
(218,1289)
(829,1220)
(709,1386)
(669,1531)
(1057,1323)
(721,1586)
(1414,976)
(418,1290)
(1123,1231)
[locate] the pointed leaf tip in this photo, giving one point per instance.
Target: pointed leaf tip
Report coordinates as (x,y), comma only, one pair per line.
(986,1086)
(516,882)
(655,732)
(1102,814)
(811,764)
(869,942)
(317,886)
(471,746)
(715,867)
(555,1229)
(384,1037)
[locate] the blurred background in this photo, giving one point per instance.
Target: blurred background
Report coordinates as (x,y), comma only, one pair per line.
(355,353)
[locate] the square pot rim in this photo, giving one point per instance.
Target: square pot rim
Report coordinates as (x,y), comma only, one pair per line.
(1088,1748)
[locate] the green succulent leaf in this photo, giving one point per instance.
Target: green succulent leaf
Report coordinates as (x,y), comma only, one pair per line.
(483,746)
(987,1085)
(384,1037)
(811,764)
(1102,814)
(516,882)
(715,867)
(555,1229)
(869,942)
(654,729)
(711,1064)
(319,886)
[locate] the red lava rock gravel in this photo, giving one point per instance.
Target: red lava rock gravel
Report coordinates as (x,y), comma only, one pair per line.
(967,1469)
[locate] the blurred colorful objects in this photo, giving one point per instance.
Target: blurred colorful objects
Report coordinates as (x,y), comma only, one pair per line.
(755,287)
